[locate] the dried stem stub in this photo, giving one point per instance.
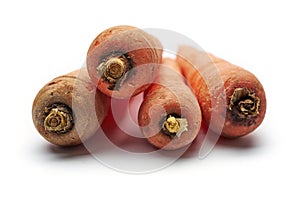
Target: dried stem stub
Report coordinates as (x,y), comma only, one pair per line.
(173,126)
(113,70)
(59,119)
(244,104)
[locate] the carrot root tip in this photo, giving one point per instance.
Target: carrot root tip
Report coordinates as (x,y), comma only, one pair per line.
(244,104)
(59,119)
(175,126)
(113,69)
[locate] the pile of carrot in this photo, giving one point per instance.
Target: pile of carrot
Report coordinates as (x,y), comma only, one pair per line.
(179,95)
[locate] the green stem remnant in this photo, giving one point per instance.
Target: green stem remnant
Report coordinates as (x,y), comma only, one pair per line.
(59,119)
(174,126)
(113,68)
(244,104)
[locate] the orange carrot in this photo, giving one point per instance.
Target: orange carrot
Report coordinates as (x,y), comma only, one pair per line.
(169,116)
(122,61)
(63,109)
(244,101)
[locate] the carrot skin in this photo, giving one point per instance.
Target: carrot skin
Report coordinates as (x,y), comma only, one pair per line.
(169,96)
(202,69)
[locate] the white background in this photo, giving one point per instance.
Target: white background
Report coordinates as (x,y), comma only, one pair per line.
(43,39)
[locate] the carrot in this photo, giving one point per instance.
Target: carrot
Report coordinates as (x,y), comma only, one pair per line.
(169,115)
(244,103)
(63,109)
(122,61)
